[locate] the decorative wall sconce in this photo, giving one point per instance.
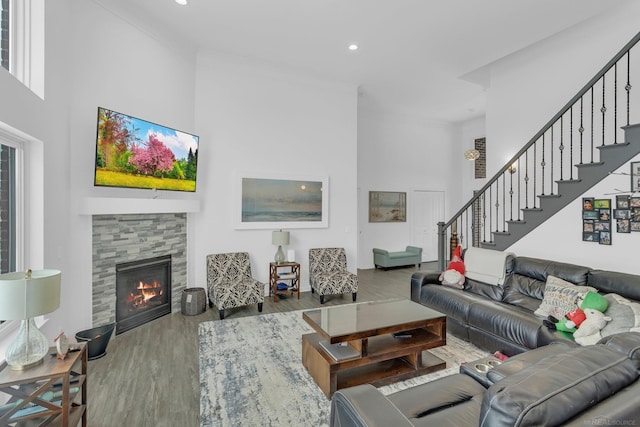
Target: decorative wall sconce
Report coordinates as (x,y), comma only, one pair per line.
(472,154)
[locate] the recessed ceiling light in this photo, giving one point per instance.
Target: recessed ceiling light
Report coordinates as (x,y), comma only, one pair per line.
(182,2)
(353,46)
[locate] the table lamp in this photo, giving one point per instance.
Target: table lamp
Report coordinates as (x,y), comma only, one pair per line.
(280,238)
(23,296)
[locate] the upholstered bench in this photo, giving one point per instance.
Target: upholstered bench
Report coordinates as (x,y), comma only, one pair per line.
(385,259)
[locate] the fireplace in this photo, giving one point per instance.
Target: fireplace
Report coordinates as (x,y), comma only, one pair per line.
(143,291)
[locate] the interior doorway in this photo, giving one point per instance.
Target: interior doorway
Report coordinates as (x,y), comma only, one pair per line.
(428,210)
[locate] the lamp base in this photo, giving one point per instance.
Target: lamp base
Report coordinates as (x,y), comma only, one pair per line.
(279,258)
(28,348)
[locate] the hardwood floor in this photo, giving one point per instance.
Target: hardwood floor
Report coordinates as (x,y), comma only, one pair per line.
(149,376)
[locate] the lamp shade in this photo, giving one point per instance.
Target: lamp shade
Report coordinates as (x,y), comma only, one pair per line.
(23,298)
(280,238)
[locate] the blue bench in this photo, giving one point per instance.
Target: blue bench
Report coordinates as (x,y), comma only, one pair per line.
(385,259)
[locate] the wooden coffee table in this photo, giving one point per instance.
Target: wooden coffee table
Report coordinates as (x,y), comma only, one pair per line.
(355,343)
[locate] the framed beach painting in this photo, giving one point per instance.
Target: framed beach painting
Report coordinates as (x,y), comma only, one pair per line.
(281,201)
(387,206)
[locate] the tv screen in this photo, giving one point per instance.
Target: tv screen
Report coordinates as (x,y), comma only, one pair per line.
(135,153)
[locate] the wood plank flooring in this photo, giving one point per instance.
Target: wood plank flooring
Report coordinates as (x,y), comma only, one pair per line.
(149,376)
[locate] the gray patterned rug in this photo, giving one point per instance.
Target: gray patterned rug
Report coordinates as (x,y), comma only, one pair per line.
(251,372)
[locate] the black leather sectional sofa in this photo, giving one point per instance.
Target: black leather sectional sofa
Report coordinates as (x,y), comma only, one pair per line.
(502,317)
(548,381)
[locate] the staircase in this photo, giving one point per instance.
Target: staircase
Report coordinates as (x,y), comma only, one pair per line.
(590,137)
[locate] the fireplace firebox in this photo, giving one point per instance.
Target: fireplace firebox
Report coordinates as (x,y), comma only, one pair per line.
(143,291)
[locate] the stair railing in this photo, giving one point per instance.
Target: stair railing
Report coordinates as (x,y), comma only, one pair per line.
(591,119)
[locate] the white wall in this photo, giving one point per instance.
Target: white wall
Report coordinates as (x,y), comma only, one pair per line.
(466,134)
(255,118)
(527,89)
(401,152)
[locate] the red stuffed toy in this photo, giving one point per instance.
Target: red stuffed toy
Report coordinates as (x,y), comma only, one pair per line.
(454,274)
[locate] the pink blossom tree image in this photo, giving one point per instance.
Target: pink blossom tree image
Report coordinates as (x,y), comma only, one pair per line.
(153,158)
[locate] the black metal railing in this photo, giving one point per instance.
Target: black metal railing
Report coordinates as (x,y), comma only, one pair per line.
(535,170)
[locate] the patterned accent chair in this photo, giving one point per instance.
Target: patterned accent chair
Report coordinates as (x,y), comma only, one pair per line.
(328,273)
(230,283)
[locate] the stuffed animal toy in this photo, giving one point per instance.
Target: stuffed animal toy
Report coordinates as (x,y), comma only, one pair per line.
(589,331)
(572,320)
(454,274)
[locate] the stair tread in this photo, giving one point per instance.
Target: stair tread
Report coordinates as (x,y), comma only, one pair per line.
(583,165)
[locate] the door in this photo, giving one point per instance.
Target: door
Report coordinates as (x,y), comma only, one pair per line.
(428,210)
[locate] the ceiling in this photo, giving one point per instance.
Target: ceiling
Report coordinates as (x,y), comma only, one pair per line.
(412,53)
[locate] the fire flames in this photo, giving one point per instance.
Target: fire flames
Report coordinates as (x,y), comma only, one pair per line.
(146,292)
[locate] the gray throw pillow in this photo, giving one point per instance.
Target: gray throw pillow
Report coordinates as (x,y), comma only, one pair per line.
(624,314)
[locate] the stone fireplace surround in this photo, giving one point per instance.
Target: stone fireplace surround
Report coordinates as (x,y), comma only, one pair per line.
(119,238)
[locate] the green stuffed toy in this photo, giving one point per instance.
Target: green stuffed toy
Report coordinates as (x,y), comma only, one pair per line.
(572,320)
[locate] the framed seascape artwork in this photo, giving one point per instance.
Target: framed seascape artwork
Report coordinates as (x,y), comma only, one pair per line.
(387,206)
(281,201)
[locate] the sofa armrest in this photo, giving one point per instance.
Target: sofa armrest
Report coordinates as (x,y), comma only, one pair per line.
(419,279)
(380,251)
(414,249)
(364,406)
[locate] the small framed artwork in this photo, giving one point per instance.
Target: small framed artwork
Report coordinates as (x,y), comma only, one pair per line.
(604,214)
(621,213)
(590,237)
(635,176)
(623,226)
(587,203)
(387,206)
(587,226)
(602,226)
(635,215)
(590,215)
(634,202)
(622,201)
(635,226)
(605,238)
(602,203)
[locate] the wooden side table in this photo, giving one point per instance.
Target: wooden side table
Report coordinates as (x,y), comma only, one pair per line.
(285,272)
(53,392)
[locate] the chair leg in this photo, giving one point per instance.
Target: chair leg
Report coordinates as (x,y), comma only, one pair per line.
(210,304)
(221,312)
(312,291)
(354,296)
(321,299)
(260,307)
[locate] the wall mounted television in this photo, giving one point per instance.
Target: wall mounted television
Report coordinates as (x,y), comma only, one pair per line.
(135,153)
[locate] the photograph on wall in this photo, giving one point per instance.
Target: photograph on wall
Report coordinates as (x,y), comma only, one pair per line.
(623,226)
(602,226)
(622,201)
(387,206)
(635,176)
(602,203)
(621,213)
(635,226)
(634,202)
(590,215)
(590,237)
(605,238)
(588,226)
(587,203)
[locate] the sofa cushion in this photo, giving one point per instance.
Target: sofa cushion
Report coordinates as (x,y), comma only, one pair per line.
(512,323)
(557,388)
(523,291)
(454,302)
(560,297)
(627,285)
(541,268)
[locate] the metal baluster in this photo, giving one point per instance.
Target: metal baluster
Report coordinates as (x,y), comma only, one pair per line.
(571,145)
(561,148)
(542,164)
(484,216)
(592,124)
(535,169)
(628,86)
(581,128)
(504,204)
(526,179)
(519,197)
(604,108)
(551,153)
(615,103)
(491,210)
(511,193)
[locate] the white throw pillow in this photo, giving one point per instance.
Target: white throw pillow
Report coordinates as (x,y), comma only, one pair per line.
(560,297)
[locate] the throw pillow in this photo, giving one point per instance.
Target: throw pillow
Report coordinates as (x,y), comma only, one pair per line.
(560,297)
(624,314)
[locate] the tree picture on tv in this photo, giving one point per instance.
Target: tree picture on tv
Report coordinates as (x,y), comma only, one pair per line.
(135,153)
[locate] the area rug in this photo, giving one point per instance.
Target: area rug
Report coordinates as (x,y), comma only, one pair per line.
(251,373)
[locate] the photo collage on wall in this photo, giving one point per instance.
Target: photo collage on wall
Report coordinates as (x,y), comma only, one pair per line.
(596,220)
(627,214)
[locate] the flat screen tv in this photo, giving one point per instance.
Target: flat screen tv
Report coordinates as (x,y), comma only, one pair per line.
(135,153)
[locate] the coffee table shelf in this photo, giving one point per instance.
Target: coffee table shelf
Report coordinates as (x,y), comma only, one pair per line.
(383,358)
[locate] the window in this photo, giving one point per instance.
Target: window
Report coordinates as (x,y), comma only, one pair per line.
(4,34)
(8,241)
